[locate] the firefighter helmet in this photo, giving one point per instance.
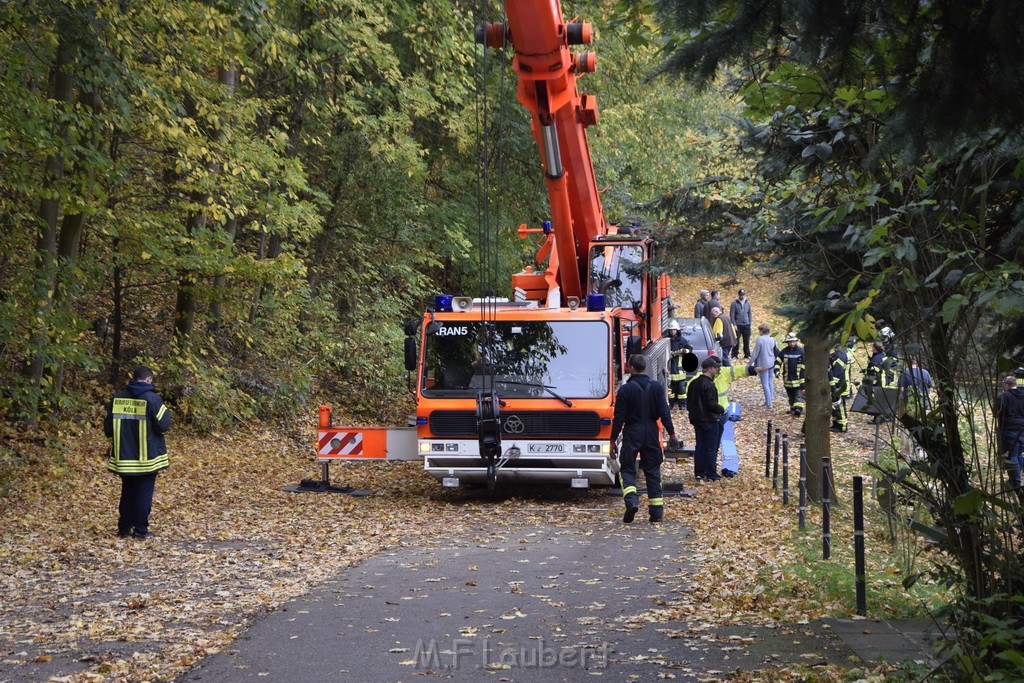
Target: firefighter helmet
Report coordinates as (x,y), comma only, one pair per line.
(673,324)
(792,337)
(886,333)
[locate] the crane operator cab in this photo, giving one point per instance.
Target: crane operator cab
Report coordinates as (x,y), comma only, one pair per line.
(615,272)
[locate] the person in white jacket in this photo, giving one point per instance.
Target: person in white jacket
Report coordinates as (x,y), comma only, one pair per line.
(762,358)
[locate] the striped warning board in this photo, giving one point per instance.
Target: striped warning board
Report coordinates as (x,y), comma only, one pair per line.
(348,443)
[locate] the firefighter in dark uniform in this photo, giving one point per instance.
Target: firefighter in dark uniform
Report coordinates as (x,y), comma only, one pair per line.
(136,422)
(839,381)
(792,360)
(886,362)
(873,374)
(639,404)
(890,372)
(679,347)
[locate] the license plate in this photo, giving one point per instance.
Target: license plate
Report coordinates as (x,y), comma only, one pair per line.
(546,448)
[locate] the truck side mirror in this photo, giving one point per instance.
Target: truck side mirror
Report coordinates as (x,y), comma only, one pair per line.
(410,353)
(634,345)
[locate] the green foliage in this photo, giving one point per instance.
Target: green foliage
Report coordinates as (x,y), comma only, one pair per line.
(685,126)
(303,201)
(992,651)
(265,191)
(889,186)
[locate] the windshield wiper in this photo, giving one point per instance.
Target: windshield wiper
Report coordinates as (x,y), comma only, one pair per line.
(550,390)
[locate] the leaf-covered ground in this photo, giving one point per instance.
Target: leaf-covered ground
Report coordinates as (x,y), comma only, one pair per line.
(79,604)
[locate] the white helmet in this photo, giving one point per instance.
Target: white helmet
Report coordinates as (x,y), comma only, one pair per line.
(792,337)
(673,324)
(886,333)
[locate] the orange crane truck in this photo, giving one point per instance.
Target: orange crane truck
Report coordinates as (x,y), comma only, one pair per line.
(521,388)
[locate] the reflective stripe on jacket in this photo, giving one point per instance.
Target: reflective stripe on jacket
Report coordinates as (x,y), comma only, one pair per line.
(791,360)
(136,422)
(839,374)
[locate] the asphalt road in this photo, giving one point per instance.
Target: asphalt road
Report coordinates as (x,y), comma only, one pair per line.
(514,604)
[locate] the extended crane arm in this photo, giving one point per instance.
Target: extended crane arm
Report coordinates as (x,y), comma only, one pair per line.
(547,73)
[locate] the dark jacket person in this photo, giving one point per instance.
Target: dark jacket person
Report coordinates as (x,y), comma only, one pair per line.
(136,422)
(639,404)
(705,410)
(1009,411)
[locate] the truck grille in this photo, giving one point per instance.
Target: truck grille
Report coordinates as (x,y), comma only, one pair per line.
(520,423)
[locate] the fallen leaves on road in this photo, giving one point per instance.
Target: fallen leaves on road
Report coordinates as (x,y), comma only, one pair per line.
(230,544)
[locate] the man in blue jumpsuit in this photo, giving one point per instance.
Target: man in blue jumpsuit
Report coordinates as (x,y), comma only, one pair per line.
(639,404)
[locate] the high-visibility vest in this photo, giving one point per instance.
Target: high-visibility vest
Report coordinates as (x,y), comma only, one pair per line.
(722,381)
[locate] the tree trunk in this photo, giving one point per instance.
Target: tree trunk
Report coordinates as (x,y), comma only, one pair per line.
(220,281)
(817,419)
(320,245)
(952,469)
(186,304)
(272,250)
(61,91)
(70,239)
(118,321)
(228,77)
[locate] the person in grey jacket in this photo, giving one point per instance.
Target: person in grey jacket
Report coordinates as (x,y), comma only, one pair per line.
(742,317)
(702,301)
(763,360)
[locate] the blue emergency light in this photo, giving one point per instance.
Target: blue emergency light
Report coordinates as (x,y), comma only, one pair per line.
(595,302)
(443,303)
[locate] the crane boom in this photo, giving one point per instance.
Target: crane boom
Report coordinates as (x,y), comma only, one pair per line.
(547,71)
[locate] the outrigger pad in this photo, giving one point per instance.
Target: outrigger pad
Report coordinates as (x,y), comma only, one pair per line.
(674,489)
(317,486)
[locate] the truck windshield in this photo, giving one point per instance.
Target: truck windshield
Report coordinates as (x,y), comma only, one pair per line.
(615,272)
(526,359)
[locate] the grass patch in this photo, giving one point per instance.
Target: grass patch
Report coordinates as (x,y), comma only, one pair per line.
(829,586)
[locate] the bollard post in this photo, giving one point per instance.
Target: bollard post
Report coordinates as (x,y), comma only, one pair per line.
(775,464)
(826,508)
(803,486)
(785,469)
(768,452)
(858,545)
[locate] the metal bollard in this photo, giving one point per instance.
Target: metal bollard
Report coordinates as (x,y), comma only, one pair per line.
(858,545)
(785,469)
(803,486)
(775,464)
(768,452)
(826,508)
